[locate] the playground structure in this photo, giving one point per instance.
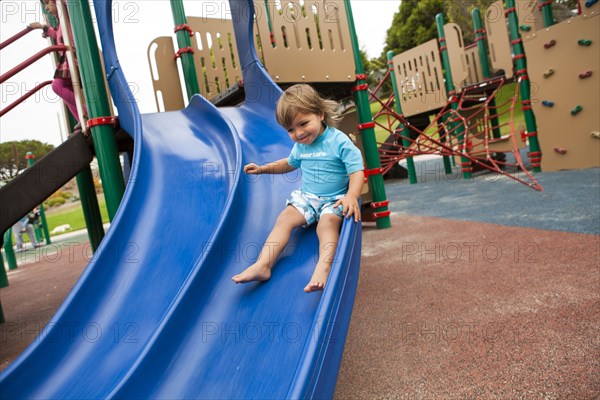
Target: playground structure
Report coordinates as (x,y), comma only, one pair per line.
(124,287)
(478,134)
(196,281)
(296,43)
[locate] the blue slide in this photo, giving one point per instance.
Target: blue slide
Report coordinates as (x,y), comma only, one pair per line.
(155,314)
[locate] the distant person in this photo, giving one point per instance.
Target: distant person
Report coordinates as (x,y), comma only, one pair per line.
(62,84)
(21,227)
(332,181)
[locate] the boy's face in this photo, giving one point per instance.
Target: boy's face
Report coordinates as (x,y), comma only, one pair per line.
(306,128)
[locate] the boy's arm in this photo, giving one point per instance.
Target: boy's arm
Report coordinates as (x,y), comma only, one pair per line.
(357,180)
(276,167)
(349,202)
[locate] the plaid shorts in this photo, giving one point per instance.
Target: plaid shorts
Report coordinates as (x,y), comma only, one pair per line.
(312,207)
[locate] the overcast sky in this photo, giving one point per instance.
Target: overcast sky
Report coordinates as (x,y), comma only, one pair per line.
(136,24)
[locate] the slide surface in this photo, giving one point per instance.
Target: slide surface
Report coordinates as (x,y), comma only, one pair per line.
(155,314)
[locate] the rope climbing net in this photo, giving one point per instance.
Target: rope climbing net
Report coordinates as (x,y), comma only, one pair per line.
(471,126)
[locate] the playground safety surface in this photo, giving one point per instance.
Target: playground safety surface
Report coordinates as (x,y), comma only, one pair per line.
(464,297)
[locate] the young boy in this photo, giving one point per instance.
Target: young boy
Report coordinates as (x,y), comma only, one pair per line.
(332,177)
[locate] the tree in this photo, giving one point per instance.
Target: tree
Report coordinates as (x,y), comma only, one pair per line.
(459,12)
(413,24)
(12,156)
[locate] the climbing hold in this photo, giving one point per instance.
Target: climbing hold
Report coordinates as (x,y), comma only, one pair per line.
(550,44)
(547,103)
(525,28)
(585,74)
(576,110)
(560,150)
(595,134)
(584,42)
(590,3)
(549,73)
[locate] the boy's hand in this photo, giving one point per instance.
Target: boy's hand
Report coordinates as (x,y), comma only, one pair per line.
(252,169)
(350,206)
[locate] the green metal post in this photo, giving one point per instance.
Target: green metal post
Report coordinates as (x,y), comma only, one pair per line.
(184,43)
(547,13)
(483,50)
(3,283)
(410,163)
(270,24)
(30,157)
(97,100)
(535,154)
(367,133)
(3,275)
(11,259)
(88,199)
(90,207)
(451,92)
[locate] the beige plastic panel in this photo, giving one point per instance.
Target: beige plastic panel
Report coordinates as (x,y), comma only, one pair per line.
(557,128)
(349,125)
(327,58)
(529,15)
(420,80)
(167,85)
(589,12)
(498,39)
(215,54)
(473,64)
(456,54)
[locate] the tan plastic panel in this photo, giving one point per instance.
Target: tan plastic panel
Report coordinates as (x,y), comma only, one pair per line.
(530,16)
(420,79)
(498,39)
(310,47)
(456,54)
(349,125)
(589,12)
(215,54)
(557,128)
(167,85)
(473,64)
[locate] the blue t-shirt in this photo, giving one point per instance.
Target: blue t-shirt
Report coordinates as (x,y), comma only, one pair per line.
(326,163)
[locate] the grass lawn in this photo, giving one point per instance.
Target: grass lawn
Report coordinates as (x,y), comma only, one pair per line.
(73,216)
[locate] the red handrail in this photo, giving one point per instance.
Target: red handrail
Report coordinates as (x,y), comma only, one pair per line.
(31,60)
(15,37)
(23,98)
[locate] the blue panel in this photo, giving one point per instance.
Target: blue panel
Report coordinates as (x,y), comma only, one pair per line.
(155,314)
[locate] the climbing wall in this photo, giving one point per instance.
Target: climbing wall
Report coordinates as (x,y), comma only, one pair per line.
(563,63)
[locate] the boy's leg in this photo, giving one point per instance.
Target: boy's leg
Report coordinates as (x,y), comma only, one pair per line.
(328,231)
(289,219)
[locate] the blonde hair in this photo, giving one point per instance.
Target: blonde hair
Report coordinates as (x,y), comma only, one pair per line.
(303,98)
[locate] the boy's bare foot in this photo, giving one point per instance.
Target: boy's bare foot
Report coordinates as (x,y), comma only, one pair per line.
(255,272)
(318,280)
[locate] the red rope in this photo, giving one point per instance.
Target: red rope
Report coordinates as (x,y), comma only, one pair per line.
(465,123)
(184,27)
(362,86)
(181,51)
